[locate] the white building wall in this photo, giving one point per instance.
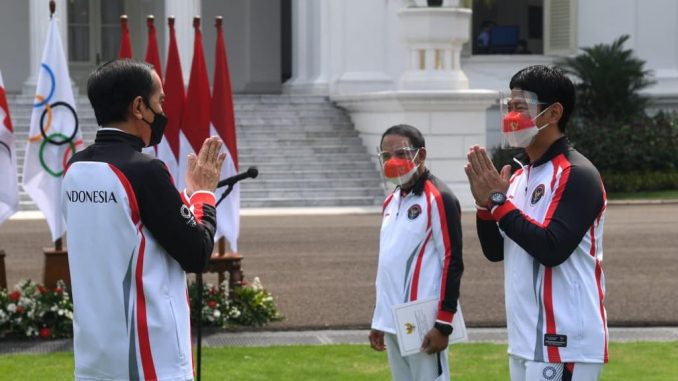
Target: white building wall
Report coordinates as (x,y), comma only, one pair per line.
(653,30)
(14,52)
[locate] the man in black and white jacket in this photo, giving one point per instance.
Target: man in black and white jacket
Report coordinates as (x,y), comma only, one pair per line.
(132,237)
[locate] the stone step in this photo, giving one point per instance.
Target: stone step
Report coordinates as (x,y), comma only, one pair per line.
(307,151)
(300,150)
(273,202)
(283,156)
(320,184)
(311,193)
(305,165)
(318,174)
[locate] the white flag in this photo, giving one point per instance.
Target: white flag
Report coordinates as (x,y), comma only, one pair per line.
(54,133)
(9,190)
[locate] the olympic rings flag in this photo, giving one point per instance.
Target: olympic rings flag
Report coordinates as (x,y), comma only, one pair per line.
(9,190)
(54,135)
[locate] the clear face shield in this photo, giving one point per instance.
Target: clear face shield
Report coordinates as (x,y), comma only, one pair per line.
(398,164)
(519,110)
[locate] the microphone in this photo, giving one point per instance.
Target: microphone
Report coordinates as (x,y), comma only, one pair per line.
(252,172)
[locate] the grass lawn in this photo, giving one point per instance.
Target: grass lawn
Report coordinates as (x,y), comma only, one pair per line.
(657,195)
(482,362)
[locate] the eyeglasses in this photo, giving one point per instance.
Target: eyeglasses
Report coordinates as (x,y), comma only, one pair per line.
(400,153)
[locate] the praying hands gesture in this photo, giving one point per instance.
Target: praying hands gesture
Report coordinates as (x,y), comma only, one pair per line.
(204,169)
(483,177)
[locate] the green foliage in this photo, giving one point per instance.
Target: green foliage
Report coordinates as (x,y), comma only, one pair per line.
(32,310)
(610,78)
(640,181)
(637,155)
(644,144)
(251,305)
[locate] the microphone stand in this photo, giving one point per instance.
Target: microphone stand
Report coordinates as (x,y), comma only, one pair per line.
(227,191)
(198,282)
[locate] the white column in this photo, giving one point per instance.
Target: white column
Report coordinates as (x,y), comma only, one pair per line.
(310,47)
(359,31)
(38,15)
(183,12)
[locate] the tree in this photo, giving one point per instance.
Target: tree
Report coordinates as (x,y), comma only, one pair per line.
(609,81)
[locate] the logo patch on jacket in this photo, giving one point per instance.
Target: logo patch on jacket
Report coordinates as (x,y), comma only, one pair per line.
(537,194)
(188,216)
(414,211)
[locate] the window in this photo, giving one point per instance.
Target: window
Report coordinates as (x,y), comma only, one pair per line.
(508,27)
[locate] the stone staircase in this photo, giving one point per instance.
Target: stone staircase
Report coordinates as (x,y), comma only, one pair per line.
(306,149)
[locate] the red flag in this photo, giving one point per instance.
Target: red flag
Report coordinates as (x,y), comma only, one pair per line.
(223,116)
(175,95)
(152,51)
(9,190)
(125,44)
(195,122)
(223,122)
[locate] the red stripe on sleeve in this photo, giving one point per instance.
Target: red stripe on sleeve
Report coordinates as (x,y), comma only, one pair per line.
(131,197)
(198,199)
(485,215)
(553,352)
(559,162)
(386,202)
(142,323)
(420,257)
(417,270)
(498,212)
(446,316)
(601,296)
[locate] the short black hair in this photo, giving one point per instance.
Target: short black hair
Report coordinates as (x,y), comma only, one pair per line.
(113,86)
(410,132)
(551,85)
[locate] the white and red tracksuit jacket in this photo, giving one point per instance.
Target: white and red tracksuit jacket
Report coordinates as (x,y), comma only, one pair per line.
(131,240)
(550,236)
(420,251)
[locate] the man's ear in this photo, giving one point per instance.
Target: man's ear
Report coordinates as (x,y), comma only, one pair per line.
(422,154)
(135,107)
(554,113)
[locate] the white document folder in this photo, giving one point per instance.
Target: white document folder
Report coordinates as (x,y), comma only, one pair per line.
(413,320)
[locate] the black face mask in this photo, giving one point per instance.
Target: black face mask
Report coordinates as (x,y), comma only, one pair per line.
(157,126)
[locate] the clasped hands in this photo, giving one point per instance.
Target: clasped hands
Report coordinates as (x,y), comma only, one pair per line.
(483,176)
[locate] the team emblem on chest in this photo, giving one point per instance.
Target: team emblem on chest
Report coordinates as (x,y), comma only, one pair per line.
(537,194)
(414,211)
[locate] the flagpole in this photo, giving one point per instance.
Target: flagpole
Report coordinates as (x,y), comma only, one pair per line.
(198,278)
(56,259)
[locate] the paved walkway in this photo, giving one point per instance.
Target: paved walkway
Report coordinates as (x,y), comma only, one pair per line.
(320,264)
(328,337)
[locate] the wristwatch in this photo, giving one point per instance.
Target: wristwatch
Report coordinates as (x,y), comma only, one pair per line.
(444,329)
(496,199)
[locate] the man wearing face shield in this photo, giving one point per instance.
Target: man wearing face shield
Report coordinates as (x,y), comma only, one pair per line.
(420,255)
(545,222)
(132,237)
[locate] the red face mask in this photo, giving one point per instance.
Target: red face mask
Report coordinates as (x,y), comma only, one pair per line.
(519,130)
(400,171)
(396,168)
(516,121)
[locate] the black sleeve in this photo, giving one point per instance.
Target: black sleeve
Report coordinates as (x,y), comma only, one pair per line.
(453,263)
(187,236)
(580,202)
(491,241)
